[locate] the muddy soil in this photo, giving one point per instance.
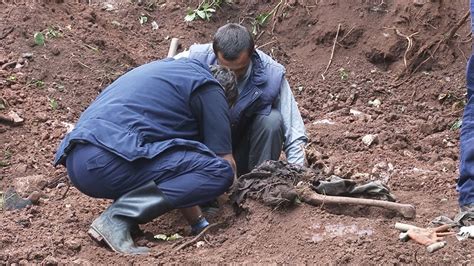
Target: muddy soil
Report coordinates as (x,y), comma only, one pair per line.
(411,119)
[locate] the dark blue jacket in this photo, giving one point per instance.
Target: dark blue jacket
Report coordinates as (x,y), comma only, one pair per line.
(260,93)
(144,112)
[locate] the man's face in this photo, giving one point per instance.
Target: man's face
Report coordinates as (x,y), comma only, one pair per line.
(239,65)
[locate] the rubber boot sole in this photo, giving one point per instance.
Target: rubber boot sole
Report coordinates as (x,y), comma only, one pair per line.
(97,237)
(100,239)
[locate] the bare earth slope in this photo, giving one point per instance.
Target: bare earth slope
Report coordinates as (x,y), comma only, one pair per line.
(415,152)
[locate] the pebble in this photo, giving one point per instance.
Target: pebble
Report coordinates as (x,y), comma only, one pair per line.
(73,245)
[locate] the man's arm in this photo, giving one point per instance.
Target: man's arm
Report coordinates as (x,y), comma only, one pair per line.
(211,110)
(293,126)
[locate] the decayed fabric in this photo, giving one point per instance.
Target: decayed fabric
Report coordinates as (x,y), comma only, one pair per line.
(273,183)
(336,186)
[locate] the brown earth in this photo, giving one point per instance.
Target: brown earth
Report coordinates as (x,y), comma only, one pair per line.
(415,151)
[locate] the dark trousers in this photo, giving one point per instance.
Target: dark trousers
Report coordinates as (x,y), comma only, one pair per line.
(262,141)
(186,177)
(466,161)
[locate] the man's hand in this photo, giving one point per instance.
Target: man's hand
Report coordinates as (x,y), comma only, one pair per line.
(230,158)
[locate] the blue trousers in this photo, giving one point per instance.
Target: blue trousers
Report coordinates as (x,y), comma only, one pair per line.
(465,184)
(186,177)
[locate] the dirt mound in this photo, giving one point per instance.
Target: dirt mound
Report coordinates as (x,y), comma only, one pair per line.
(410,122)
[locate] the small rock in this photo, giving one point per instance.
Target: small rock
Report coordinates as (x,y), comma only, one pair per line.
(154,25)
(200,244)
(60,185)
(50,260)
(3,59)
(20,169)
(27,184)
(375,103)
(443,200)
(73,245)
(370,139)
(34,197)
(41,116)
(81,262)
(15,118)
(419,2)
(55,51)
(108,7)
(27,55)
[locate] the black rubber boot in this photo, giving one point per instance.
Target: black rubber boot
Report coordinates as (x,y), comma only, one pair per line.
(138,206)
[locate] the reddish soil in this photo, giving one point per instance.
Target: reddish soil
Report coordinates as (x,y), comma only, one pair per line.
(415,153)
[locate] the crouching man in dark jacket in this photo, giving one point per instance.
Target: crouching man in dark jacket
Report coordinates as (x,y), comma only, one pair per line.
(156,139)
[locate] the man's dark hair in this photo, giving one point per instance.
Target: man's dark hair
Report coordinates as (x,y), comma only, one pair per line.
(228,81)
(231,40)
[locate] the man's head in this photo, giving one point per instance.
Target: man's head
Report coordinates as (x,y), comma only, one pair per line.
(227,80)
(233,45)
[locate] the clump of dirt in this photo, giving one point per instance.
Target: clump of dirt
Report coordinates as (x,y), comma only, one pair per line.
(411,123)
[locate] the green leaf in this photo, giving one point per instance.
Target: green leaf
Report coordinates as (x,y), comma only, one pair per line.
(39,38)
(190,17)
(457,124)
(39,83)
(53,104)
(161,237)
(143,19)
(174,237)
(262,19)
(201,14)
(254,29)
(52,33)
(167,238)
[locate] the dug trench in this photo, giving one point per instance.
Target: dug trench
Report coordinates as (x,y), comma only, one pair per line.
(410,118)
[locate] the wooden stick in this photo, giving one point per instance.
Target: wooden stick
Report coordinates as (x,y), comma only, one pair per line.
(196,238)
(173,47)
(332,52)
(268,43)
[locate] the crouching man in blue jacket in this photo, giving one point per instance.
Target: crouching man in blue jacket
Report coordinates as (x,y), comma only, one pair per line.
(156,139)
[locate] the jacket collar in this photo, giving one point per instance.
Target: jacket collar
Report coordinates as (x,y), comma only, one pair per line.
(258,73)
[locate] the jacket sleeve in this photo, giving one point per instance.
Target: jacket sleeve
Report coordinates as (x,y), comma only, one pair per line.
(184,54)
(293,126)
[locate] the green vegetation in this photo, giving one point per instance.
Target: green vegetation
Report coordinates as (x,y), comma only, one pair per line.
(39,38)
(456,124)
(53,104)
(7,155)
(49,33)
(143,19)
(11,78)
(205,10)
(38,83)
(343,73)
(262,19)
